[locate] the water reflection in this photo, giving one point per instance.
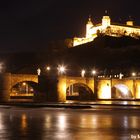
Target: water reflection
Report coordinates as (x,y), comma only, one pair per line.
(48,121)
(62,122)
(59,124)
(125,122)
(1,122)
(24,123)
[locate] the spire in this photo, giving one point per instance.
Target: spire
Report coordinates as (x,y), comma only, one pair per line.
(130,18)
(89,20)
(89,25)
(106,13)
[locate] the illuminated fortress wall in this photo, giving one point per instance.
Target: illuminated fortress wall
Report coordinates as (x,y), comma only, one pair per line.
(108,28)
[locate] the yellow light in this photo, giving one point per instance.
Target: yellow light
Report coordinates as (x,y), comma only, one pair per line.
(105,92)
(48,68)
(24,122)
(24,84)
(138,92)
(133,74)
(93,72)
(64,87)
(61,69)
(62,122)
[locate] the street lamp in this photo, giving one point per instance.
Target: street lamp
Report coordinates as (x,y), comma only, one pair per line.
(61,69)
(48,68)
(134,83)
(83,73)
(93,72)
(133,74)
(24,84)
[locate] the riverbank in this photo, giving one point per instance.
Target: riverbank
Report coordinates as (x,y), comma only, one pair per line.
(75,104)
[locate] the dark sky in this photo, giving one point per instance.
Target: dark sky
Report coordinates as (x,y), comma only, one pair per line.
(26,24)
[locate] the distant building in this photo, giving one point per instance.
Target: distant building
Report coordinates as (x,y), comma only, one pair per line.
(108,28)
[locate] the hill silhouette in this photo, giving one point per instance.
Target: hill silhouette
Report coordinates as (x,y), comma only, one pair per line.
(104,52)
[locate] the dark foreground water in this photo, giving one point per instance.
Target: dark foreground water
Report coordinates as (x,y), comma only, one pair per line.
(69,124)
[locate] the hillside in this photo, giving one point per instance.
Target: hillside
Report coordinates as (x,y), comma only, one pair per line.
(103,53)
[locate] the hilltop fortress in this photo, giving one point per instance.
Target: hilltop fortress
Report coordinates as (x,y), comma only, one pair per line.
(108,28)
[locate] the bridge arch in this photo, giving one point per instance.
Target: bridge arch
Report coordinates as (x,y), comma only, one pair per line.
(17,78)
(121,91)
(79,91)
(24,89)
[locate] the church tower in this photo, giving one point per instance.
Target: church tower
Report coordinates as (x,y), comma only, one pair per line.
(89,25)
(106,21)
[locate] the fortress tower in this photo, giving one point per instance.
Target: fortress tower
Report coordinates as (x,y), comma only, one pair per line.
(106,22)
(89,25)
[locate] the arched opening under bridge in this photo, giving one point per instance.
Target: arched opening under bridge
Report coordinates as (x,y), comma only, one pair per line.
(24,90)
(79,91)
(121,91)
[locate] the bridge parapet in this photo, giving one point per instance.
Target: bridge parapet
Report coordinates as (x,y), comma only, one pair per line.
(81,80)
(17,78)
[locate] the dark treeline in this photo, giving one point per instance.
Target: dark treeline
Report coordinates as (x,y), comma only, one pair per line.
(104,52)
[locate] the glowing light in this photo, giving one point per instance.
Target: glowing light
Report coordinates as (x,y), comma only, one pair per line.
(1,122)
(63,87)
(48,68)
(106,27)
(48,121)
(123,89)
(61,69)
(1,67)
(62,122)
(133,74)
(24,84)
(83,73)
(94,72)
(23,122)
(125,102)
(105,92)
(138,92)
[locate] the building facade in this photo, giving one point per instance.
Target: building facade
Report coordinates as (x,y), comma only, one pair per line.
(108,28)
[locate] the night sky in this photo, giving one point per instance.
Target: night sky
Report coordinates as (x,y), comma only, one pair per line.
(30,25)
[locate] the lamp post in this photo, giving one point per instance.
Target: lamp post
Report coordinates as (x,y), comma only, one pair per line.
(94,73)
(133,74)
(61,70)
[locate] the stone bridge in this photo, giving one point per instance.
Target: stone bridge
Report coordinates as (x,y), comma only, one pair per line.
(57,88)
(107,88)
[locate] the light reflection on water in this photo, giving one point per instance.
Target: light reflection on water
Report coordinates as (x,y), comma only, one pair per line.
(68,124)
(24,123)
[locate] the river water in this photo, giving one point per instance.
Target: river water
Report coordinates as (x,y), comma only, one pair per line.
(18,123)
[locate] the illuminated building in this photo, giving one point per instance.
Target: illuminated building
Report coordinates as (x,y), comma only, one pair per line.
(107,28)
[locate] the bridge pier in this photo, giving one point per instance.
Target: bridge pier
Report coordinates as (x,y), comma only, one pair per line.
(5,87)
(52,89)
